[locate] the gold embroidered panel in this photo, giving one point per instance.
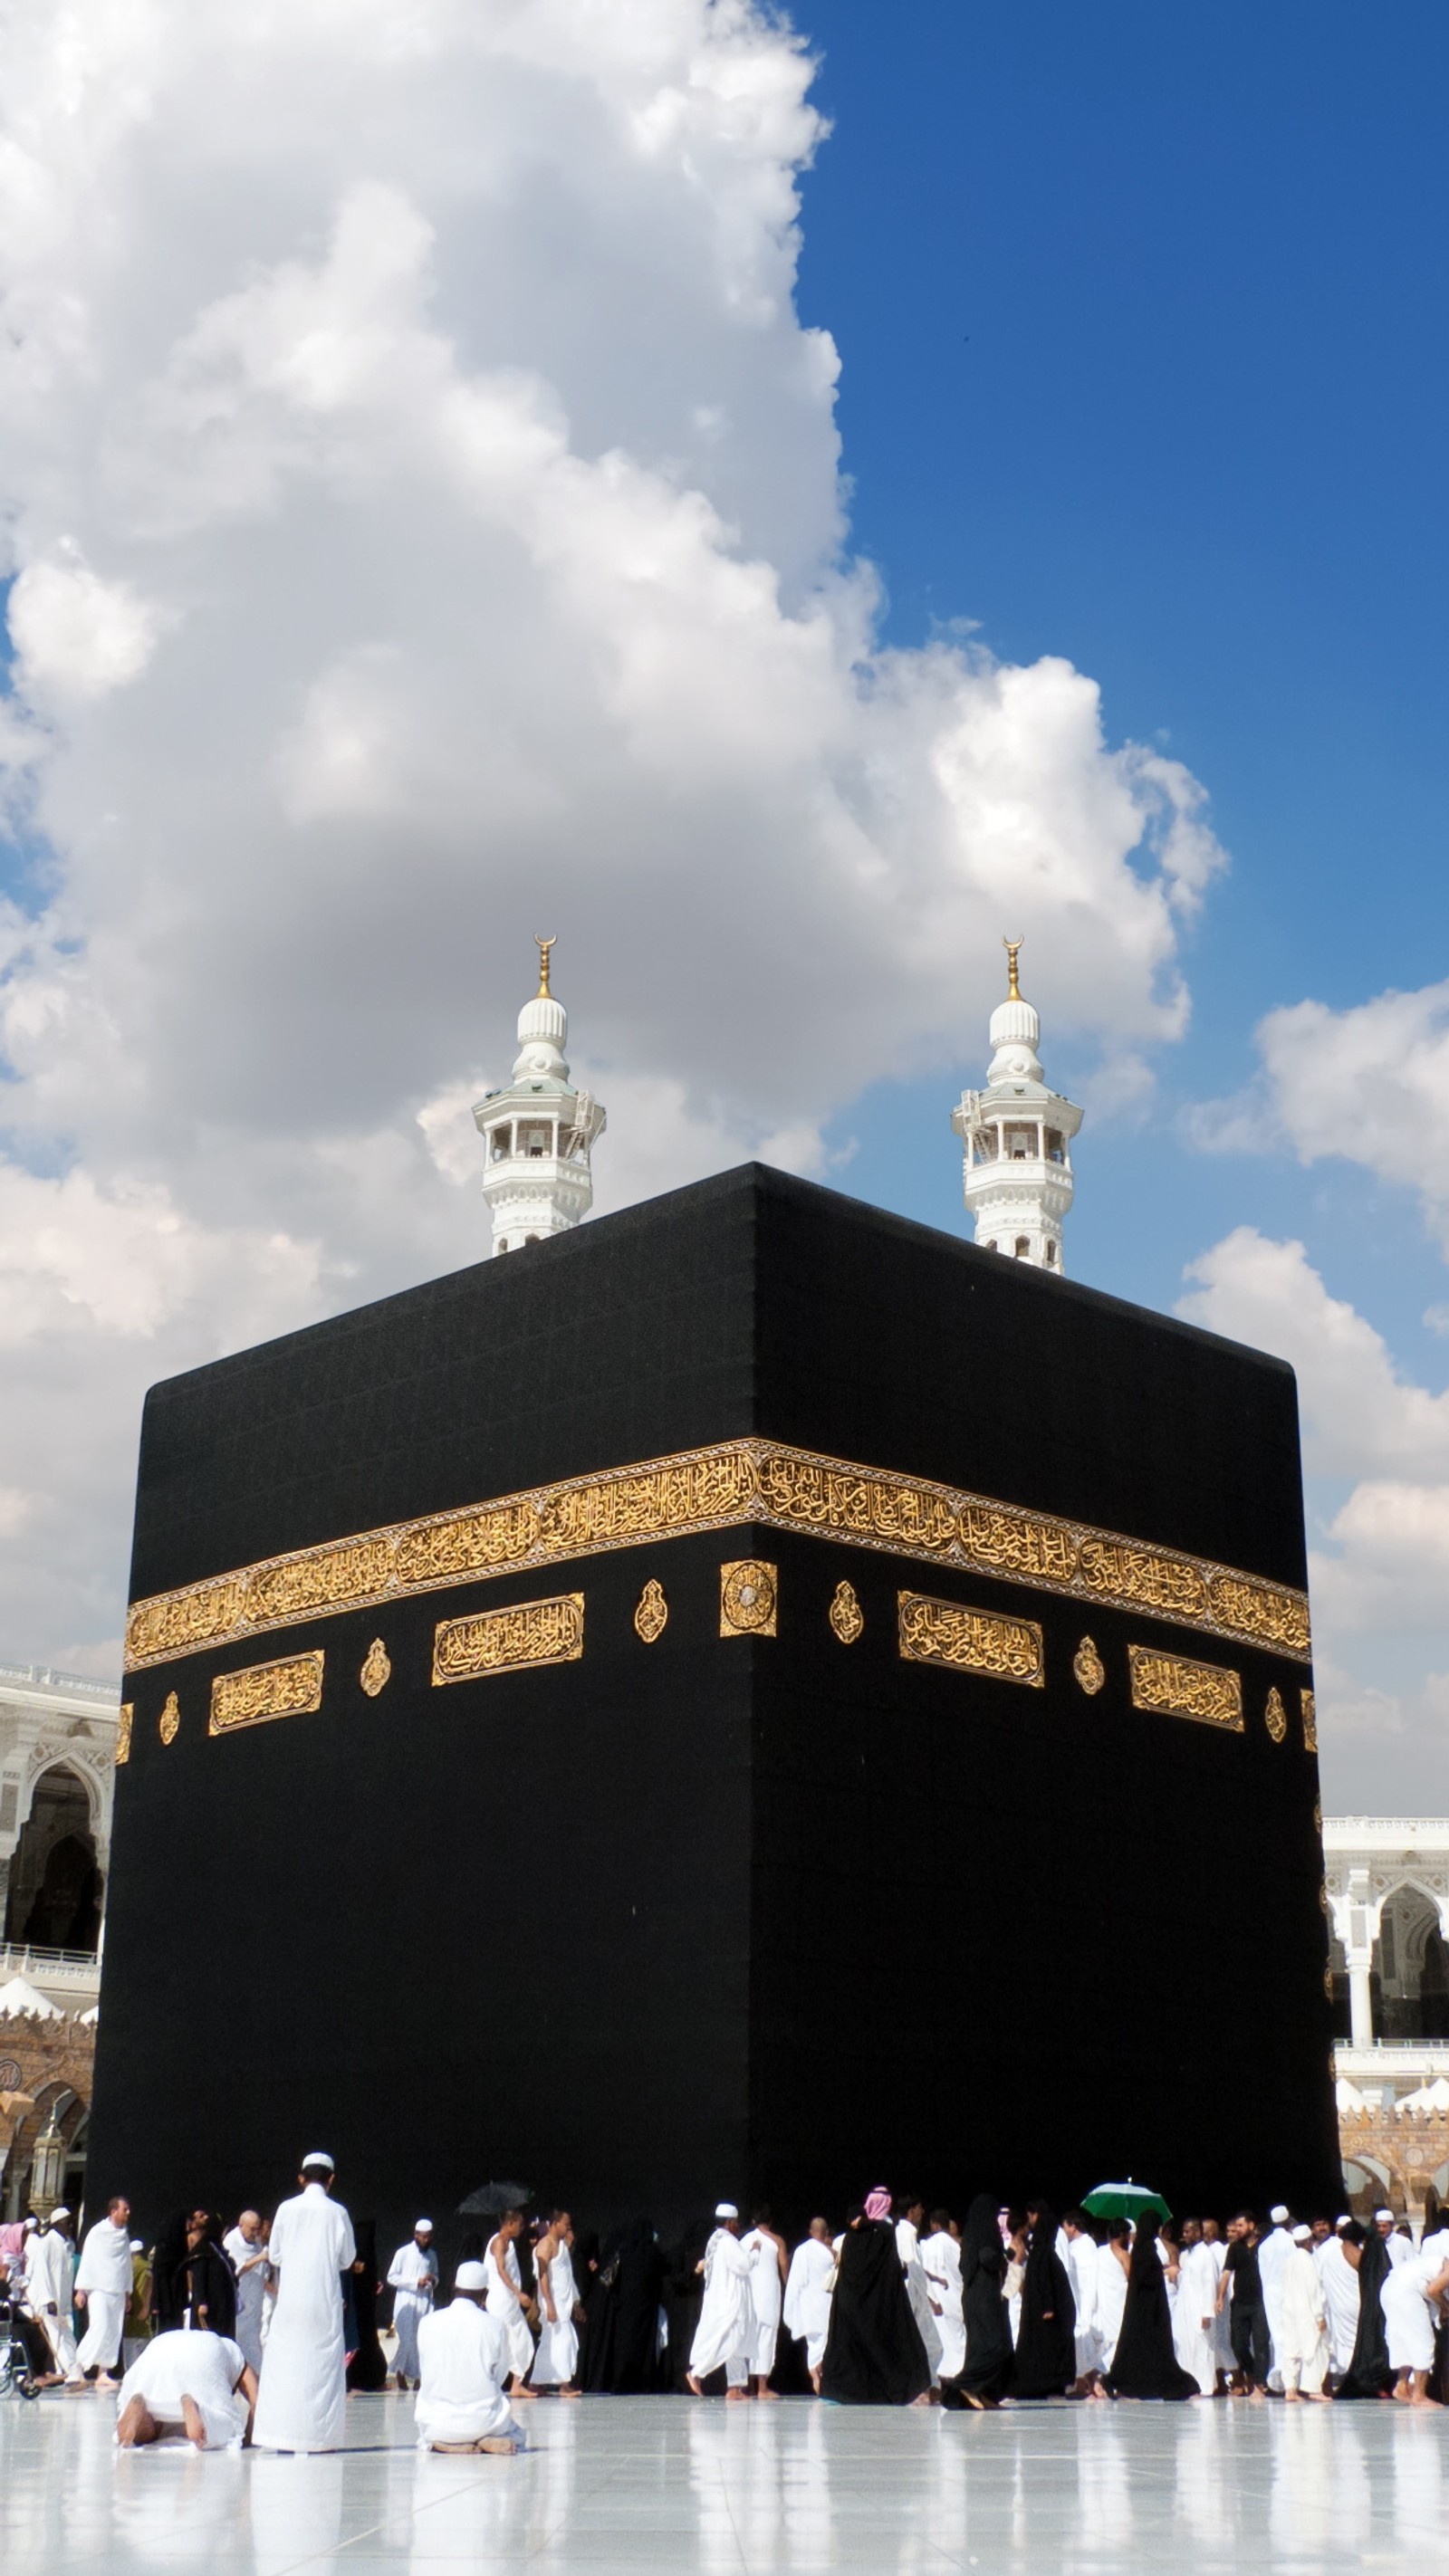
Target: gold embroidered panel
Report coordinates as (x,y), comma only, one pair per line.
(738,1483)
(123,1732)
(504,1641)
(1182,1688)
(749,1594)
(971,1641)
(290,1688)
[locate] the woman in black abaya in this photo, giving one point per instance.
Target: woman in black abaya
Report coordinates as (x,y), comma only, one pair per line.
(1145,2363)
(874,2355)
(621,2350)
(1045,2361)
(1368,2373)
(983,2382)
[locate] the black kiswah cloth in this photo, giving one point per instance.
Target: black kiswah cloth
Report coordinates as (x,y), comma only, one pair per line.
(1045,2361)
(984,2379)
(874,2355)
(1368,2373)
(1145,2363)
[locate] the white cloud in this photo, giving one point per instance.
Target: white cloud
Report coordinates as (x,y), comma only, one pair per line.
(1379,1567)
(427,522)
(1367,1085)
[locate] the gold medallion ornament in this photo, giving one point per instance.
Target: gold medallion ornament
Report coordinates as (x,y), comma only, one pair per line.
(1328,1982)
(291,1687)
(651,1616)
(507,1641)
(1179,1687)
(170,1719)
(1323,1897)
(123,1733)
(748,1590)
(1318,1815)
(376,1670)
(1275,1716)
(738,1484)
(846,1616)
(1089,1668)
(1310,1721)
(971,1641)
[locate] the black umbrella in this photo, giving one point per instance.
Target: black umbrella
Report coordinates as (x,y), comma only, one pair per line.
(494,2199)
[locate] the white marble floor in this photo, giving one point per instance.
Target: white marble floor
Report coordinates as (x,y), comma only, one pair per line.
(658,2484)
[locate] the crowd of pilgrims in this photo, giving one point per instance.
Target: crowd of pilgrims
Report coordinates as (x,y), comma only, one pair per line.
(259,2331)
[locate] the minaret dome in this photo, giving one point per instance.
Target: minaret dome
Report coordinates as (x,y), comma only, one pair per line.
(1016,1137)
(539,1131)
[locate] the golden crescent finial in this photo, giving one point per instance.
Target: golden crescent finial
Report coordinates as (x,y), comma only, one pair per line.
(1013,948)
(543,946)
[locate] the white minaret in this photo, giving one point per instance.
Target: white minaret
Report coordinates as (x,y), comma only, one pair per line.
(539,1132)
(1017,1135)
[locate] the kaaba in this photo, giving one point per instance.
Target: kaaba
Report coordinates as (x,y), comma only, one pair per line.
(750,1696)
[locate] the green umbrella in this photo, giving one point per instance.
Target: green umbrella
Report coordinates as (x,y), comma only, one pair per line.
(1125,2200)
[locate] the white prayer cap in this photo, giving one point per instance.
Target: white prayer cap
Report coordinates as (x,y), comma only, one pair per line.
(59,2211)
(1378,2213)
(135,2246)
(725,2209)
(1279,2215)
(317,2157)
(1340,2224)
(471,2276)
(422,2227)
(1302,2235)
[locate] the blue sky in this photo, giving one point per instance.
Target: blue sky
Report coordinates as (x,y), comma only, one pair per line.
(1140,319)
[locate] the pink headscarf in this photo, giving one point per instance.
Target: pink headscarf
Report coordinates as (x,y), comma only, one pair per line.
(878,2203)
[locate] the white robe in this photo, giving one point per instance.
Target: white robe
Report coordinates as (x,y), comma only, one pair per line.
(412,2275)
(1079,2254)
(1408,2317)
(908,2246)
(1111,2301)
(464,2357)
(1340,2297)
(941,2263)
(725,2333)
(1273,2255)
(1192,2317)
(1222,2323)
(506,2309)
(104,2273)
(47,2294)
(200,2365)
(304,2366)
(1302,2347)
(767,2297)
(1400,2249)
(251,2291)
(808,2293)
(557,2357)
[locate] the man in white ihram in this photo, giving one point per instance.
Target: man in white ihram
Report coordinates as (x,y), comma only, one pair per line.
(725,2334)
(412,2278)
(247,2255)
(463,2353)
(304,2368)
(188,2381)
(807,2296)
(103,2287)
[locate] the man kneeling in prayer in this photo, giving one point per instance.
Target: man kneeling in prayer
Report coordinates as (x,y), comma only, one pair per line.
(463,2358)
(190,2382)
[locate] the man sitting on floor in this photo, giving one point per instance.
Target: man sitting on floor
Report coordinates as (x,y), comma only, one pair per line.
(196,2383)
(463,2358)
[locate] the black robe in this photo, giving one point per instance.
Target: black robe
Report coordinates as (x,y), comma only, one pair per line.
(1145,2363)
(1045,2361)
(621,2348)
(874,2355)
(988,2327)
(1368,2373)
(184,2279)
(366,2361)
